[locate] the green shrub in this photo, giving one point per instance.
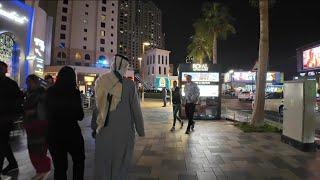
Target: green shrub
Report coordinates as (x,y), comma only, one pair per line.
(247,127)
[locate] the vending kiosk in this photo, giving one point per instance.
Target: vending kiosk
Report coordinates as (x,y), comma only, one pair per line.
(207,77)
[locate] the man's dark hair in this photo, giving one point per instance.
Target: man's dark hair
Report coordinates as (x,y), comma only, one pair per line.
(48,76)
(34,78)
(3,64)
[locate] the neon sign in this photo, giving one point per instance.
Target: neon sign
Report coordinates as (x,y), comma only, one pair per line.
(200,67)
(39,54)
(13,16)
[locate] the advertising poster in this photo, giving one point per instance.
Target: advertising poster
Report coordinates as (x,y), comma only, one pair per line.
(161,82)
(201,76)
(311,58)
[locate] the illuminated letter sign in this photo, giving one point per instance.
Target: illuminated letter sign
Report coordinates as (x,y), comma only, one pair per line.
(200,67)
(13,16)
(39,54)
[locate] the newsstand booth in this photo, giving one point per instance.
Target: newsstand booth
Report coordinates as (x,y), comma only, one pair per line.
(207,77)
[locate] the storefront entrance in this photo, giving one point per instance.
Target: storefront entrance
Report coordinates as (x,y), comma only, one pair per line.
(9,54)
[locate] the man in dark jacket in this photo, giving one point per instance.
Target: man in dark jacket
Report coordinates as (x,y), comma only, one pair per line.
(176,103)
(9,95)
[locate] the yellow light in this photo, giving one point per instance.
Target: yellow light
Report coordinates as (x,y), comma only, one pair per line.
(88,79)
(146,43)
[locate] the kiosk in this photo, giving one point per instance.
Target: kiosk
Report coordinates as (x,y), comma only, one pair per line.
(207,76)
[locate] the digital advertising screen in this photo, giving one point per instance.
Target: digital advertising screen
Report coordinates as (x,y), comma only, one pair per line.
(206,90)
(201,76)
(311,58)
(161,82)
(244,76)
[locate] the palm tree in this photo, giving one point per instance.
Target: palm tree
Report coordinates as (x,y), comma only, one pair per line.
(258,112)
(201,44)
(218,20)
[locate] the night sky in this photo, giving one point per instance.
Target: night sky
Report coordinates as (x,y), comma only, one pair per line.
(292,25)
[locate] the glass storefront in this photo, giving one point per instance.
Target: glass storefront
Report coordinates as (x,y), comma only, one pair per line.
(8,53)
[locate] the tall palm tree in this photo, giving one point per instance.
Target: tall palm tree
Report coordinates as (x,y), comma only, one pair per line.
(218,20)
(201,44)
(258,112)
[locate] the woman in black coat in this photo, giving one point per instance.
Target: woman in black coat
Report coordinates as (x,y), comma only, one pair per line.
(64,134)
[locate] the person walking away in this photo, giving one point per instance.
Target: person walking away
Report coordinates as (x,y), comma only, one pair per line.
(164,96)
(10,95)
(119,115)
(176,103)
(64,110)
(35,123)
(192,94)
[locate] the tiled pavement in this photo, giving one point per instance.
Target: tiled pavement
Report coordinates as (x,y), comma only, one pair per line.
(216,150)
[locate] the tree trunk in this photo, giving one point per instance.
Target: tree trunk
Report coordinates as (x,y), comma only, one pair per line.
(258,113)
(214,50)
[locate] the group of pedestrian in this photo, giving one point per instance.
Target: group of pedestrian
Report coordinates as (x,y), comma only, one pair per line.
(51,118)
(192,94)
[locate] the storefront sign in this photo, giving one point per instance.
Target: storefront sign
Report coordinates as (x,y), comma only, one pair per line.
(39,54)
(200,67)
(13,16)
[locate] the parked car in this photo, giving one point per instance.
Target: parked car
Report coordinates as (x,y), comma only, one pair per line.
(245,96)
(230,92)
(273,102)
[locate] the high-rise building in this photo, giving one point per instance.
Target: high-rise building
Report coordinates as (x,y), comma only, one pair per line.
(85,32)
(139,27)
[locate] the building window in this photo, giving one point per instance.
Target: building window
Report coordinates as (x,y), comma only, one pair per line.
(147,60)
(111,42)
(152,70)
(111,34)
(86,13)
(103,17)
(165,71)
(62,36)
(85,21)
(111,27)
(62,55)
(112,12)
(86,64)
(77,63)
(153,59)
(103,8)
(63,27)
(64,9)
(111,50)
(87,5)
(103,24)
(162,60)
(102,49)
(102,41)
(85,30)
(158,59)
(166,60)
(65,1)
(112,19)
(64,18)
(148,70)
(85,38)
(103,33)
(62,45)
(104,1)
(112,4)
(77,56)
(87,57)
(160,70)
(84,47)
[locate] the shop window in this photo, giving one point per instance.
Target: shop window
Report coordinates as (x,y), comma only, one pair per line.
(87,57)
(103,8)
(64,18)
(65,10)
(63,27)
(62,36)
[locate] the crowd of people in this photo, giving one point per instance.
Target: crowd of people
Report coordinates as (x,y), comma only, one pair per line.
(51,115)
(50,118)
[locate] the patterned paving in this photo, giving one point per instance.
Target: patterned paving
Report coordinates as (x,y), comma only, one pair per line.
(216,150)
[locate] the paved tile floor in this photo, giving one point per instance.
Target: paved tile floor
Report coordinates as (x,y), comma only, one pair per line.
(216,150)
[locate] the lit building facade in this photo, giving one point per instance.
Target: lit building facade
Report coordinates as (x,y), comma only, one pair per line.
(155,64)
(140,22)
(85,33)
(23,40)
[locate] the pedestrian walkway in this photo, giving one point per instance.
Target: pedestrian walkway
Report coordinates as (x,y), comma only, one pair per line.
(216,150)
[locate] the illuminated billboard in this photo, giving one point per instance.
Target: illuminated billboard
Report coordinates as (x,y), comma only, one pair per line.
(244,76)
(311,58)
(201,77)
(205,90)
